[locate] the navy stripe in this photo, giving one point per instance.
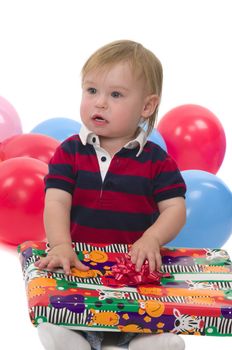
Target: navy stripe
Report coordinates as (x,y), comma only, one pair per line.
(60,184)
(167,178)
(154,152)
(151,152)
(73,146)
(174,192)
(89,180)
(106,219)
(113,182)
(61,169)
(128,184)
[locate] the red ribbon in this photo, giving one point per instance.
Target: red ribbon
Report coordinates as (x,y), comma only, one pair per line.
(125,274)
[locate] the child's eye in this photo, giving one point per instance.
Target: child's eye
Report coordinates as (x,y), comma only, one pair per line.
(116,94)
(92,90)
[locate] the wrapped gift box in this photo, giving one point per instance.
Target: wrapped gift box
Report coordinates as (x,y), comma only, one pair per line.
(196,299)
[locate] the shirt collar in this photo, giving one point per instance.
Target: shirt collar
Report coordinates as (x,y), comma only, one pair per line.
(88,136)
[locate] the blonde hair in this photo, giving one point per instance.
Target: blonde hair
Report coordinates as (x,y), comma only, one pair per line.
(143,62)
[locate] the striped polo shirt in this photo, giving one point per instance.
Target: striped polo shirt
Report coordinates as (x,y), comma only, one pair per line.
(114,200)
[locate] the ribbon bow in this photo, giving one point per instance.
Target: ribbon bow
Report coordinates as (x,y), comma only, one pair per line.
(125,274)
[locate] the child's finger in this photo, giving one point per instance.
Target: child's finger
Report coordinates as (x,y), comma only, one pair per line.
(37,262)
(152,262)
(53,263)
(134,255)
(42,262)
(66,266)
(158,261)
(139,262)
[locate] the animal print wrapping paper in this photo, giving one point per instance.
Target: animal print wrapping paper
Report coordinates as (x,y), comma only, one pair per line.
(196,300)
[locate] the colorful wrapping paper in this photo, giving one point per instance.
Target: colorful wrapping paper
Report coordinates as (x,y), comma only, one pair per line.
(195,299)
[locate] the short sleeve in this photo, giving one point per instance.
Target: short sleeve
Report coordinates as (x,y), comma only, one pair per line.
(167,180)
(62,168)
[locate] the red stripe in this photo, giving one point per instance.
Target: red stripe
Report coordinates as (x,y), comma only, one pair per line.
(116,201)
(59,177)
(130,167)
(163,189)
(92,235)
(88,162)
(62,157)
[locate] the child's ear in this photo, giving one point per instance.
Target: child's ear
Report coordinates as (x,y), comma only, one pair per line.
(150,104)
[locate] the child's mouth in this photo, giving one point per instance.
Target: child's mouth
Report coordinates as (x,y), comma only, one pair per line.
(99,119)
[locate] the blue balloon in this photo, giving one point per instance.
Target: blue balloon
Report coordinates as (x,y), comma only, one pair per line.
(209,212)
(156,137)
(58,128)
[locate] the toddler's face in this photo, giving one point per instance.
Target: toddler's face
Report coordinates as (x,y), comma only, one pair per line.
(113,101)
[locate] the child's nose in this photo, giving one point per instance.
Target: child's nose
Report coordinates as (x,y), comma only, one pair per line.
(101,101)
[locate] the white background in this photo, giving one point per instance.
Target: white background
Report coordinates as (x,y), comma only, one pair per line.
(43,45)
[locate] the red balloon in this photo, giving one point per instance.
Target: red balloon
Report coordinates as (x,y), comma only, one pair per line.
(21,200)
(194,137)
(36,146)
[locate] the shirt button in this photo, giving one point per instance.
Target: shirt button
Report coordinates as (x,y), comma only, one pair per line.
(103,159)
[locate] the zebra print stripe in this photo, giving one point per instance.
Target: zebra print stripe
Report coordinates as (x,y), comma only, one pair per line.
(180,268)
(29,261)
(223,285)
(223,325)
(136,296)
(112,248)
(169,299)
(60,316)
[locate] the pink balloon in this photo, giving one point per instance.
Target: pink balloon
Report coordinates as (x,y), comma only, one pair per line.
(194,137)
(10,123)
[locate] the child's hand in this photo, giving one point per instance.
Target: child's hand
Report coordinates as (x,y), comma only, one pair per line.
(146,247)
(63,256)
